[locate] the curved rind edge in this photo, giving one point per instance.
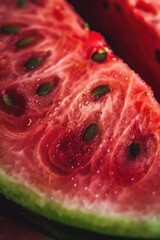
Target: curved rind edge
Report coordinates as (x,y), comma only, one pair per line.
(39,204)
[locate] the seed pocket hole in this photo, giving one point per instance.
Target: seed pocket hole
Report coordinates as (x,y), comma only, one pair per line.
(134,149)
(13,103)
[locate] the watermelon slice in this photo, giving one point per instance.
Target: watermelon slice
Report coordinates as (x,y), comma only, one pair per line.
(133,29)
(80,131)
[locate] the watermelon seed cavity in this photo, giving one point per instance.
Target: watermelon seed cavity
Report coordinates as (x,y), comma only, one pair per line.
(13,103)
(44,88)
(9,29)
(134,149)
(100,55)
(91,132)
(24,42)
(33,62)
(100,91)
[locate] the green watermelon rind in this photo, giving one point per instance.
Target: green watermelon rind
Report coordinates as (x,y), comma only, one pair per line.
(39,204)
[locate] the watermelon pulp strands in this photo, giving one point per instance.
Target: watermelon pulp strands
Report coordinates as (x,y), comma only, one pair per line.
(84,147)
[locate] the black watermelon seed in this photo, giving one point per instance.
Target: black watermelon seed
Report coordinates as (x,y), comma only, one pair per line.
(21,3)
(44,88)
(100,55)
(100,91)
(33,62)
(117,8)
(157,54)
(91,132)
(105,4)
(134,149)
(24,42)
(9,29)
(13,103)
(7,100)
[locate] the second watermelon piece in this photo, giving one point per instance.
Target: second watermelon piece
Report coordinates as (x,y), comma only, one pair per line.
(133,28)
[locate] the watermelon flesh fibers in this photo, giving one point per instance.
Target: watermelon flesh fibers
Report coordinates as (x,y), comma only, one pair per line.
(133,27)
(79,136)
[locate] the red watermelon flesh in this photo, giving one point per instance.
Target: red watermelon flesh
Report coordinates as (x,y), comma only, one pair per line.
(133,27)
(79,136)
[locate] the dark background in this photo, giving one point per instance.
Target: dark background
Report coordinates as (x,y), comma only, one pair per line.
(13,227)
